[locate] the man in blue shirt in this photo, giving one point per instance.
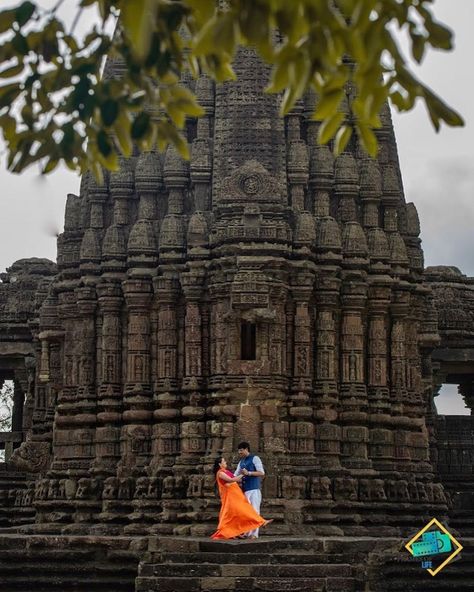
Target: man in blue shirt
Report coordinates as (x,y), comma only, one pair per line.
(251,467)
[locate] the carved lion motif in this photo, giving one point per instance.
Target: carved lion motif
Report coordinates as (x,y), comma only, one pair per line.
(31,457)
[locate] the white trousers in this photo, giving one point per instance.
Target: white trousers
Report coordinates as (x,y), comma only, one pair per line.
(255,498)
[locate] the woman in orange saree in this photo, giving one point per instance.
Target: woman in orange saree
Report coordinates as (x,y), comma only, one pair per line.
(236,515)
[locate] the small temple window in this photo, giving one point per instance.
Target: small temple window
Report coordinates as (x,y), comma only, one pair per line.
(248,341)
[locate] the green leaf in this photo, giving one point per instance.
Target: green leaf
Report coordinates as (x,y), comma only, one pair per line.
(440,36)
(368,138)
(439,110)
(12,71)
(288,101)
(220,33)
(328,104)
(50,165)
(202,9)
(8,125)
(140,125)
(9,93)
(138,20)
(109,111)
(24,12)
(20,43)
(280,78)
(122,132)
(183,100)
(342,138)
(417,46)
(329,127)
(103,143)
(7,18)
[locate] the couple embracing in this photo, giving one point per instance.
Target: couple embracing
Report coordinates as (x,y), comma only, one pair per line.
(239,515)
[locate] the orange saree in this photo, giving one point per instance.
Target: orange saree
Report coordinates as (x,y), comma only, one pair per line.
(236,515)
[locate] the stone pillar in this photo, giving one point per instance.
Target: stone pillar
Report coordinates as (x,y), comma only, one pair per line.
(414,402)
(352,347)
(377,380)
(166,296)
(219,345)
(192,287)
(136,437)
(326,375)
(321,163)
(326,395)
(121,188)
(355,435)
(398,390)
(86,306)
(303,358)
(278,357)
(346,186)
(109,404)
(201,154)
(297,161)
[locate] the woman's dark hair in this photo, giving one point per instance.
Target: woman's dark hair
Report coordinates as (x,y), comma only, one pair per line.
(216,467)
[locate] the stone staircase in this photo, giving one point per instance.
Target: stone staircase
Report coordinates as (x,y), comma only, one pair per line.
(268,564)
(45,563)
(392,570)
(56,563)
(319,564)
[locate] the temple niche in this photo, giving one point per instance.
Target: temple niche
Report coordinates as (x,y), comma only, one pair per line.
(264,291)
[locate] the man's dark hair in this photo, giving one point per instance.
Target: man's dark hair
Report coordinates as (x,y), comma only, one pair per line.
(244,445)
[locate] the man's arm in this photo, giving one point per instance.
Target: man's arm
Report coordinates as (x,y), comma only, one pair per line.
(259,472)
(238,470)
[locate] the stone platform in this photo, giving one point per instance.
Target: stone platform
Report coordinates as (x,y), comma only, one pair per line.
(189,564)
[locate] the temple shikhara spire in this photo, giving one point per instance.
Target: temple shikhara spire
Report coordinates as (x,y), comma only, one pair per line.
(264,291)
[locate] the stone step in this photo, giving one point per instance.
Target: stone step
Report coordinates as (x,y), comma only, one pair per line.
(33,583)
(77,556)
(425,583)
(61,567)
(245,584)
(354,549)
(166,570)
(279,557)
(231,569)
(261,545)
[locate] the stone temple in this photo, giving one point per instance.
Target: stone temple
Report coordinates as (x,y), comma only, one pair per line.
(264,291)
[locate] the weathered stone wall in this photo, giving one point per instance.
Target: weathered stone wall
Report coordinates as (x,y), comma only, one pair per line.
(23,288)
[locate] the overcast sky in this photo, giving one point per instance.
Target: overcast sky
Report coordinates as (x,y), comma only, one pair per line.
(437,169)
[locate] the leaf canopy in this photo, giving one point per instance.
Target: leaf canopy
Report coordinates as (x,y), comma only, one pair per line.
(55,105)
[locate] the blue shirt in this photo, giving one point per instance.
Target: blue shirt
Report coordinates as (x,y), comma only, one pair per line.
(251,463)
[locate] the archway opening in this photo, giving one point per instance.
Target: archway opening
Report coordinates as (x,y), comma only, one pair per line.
(449,401)
(7,391)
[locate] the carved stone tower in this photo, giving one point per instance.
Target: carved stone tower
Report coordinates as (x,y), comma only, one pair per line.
(264,291)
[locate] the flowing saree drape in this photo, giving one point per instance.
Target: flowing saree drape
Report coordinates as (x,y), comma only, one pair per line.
(236,515)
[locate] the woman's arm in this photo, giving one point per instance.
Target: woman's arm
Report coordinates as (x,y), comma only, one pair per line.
(228,479)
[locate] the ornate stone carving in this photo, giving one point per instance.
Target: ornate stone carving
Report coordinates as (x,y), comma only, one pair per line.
(251,182)
(31,457)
